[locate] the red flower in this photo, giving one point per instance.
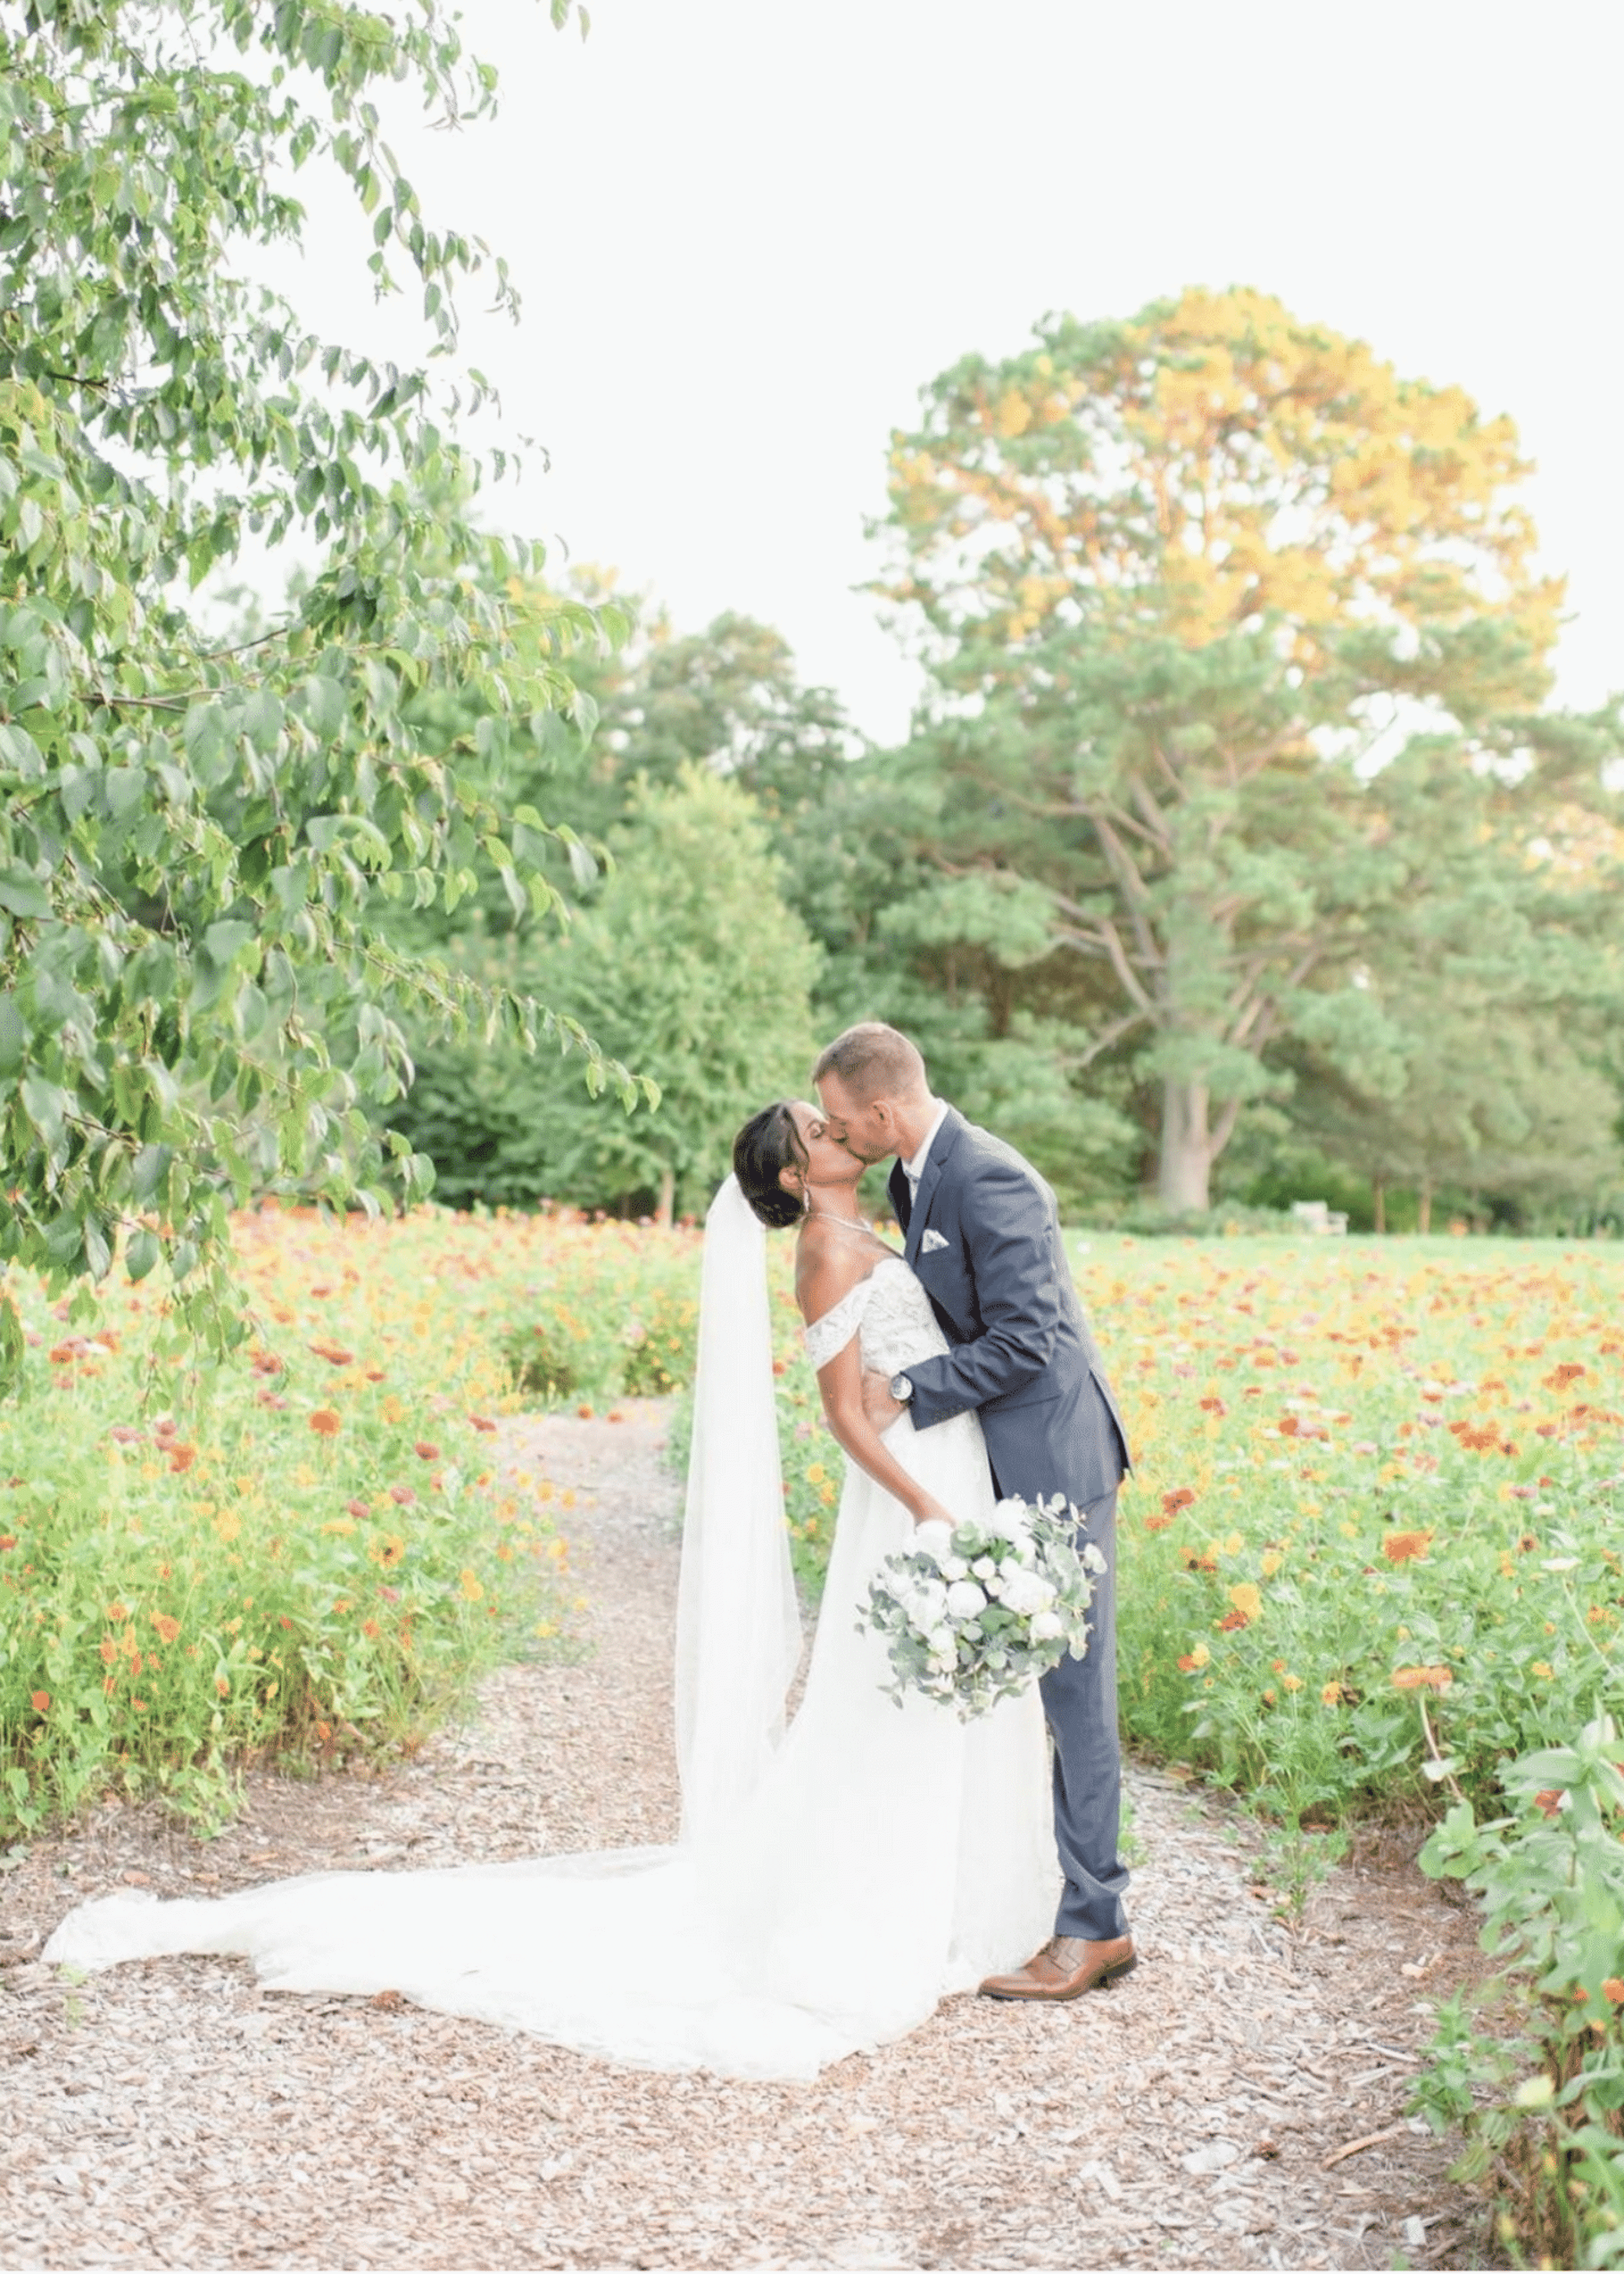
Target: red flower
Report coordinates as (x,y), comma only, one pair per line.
(122,1434)
(425,1451)
(39,1699)
(357,1509)
(1547,1802)
(479,1422)
(333,1354)
(1231,1621)
(402,1494)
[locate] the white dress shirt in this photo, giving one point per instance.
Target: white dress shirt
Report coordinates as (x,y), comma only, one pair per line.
(914,1168)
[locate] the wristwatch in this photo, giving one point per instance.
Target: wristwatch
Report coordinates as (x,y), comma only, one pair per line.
(902,1389)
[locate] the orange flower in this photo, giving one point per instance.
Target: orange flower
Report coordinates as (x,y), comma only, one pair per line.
(1157,1523)
(107,1650)
(401,1495)
(425,1451)
(1561,1376)
(1214,1405)
(1172,1502)
(479,1421)
(181,1457)
(1612,1990)
(39,1700)
(583,1414)
(1405,1546)
(221,1685)
(357,1508)
(1231,1621)
(371,1627)
(333,1354)
(168,1630)
(1422,1677)
(325,1422)
(1290,1425)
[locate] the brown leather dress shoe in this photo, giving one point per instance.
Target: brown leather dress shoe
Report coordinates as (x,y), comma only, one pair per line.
(1065,1968)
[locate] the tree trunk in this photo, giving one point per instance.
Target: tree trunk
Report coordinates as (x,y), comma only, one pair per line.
(1424,1205)
(1378,1192)
(667,1194)
(1183,1181)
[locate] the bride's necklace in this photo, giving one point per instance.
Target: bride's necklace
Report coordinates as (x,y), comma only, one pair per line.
(846,1223)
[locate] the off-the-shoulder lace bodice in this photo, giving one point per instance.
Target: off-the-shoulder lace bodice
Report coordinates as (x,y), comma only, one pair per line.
(891,1311)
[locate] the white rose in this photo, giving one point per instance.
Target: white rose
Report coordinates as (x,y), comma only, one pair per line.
(1047,1627)
(994,1587)
(954,1567)
(1092,1559)
(965,1600)
(984,1567)
(943,1646)
(934,1539)
(1027,1594)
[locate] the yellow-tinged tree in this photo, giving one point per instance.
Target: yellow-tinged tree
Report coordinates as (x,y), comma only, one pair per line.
(1183,582)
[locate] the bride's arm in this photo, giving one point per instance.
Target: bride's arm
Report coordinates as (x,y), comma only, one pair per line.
(821,1282)
(841,1383)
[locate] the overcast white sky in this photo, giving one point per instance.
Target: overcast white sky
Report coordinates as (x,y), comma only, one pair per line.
(747,231)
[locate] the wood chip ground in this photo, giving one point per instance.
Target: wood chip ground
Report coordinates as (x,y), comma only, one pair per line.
(172,2114)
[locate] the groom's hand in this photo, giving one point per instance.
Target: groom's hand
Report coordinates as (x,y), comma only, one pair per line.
(877,1403)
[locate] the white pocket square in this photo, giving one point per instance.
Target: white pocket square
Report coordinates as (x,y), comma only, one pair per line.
(931,1242)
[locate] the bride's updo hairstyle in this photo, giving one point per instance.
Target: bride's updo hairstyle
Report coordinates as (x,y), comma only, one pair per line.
(768,1143)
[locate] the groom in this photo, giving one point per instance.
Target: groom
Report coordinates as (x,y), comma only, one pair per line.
(984,1236)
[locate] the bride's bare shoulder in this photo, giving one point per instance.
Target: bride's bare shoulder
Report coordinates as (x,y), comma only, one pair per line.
(829,1262)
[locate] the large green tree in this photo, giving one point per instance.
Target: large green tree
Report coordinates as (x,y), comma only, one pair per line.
(688,964)
(1185,582)
(203,847)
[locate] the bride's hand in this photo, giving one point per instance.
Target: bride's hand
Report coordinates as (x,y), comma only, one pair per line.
(931,1512)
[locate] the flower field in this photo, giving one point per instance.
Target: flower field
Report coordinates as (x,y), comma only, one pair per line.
(1372,1547)
(305,1551)
(1372,1544)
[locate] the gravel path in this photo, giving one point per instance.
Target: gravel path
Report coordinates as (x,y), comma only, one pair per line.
(175,2115)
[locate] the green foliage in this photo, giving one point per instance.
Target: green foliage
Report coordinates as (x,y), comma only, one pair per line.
(687,964)
(203,847)
(1551,1877)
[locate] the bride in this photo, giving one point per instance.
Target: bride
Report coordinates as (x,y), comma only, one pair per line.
(832,1882)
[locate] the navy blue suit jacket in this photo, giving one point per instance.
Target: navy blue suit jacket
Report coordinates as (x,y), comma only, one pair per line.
(1023,1355)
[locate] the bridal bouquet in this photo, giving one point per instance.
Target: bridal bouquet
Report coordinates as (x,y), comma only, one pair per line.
(973,1613)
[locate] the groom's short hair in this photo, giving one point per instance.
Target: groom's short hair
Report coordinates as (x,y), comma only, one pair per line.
(872,1060)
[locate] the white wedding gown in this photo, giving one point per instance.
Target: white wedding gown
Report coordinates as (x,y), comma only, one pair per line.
(887,1857)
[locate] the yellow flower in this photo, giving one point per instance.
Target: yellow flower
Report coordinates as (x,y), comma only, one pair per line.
(1291,1682)
(227,1526)
(1234,1544)
(392,1409)
(342,1525)
(1272,1561)
(1200,1655)
(1331,1694)
(1246,1598)
(1541,1669)
(816,1473)
(471,1586)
